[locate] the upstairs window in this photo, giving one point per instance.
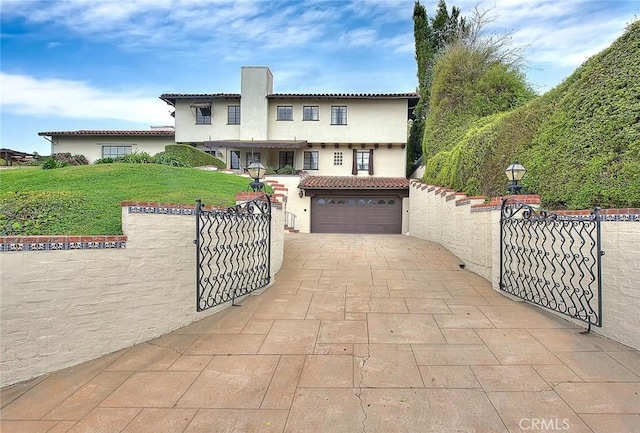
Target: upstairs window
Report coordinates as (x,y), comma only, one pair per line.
(233,115)
(339,115)
(285,112)
(202,113)
(310,160)
(310,112)
(337,158)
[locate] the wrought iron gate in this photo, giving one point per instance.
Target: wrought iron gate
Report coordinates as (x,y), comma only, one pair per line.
(233,251)
(552,260)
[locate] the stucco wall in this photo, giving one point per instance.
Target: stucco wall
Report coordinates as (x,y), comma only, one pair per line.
(368,121)
(60,308)
(471,230)
(91,147)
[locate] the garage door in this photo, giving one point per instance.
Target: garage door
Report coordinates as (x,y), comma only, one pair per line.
(335,214)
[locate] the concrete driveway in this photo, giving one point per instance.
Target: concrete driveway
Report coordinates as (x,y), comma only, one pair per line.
(357,334)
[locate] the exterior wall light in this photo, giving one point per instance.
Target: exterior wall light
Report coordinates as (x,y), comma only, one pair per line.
(256,171)
(515,172)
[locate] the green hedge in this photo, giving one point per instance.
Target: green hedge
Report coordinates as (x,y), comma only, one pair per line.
(580,141)
(190,156)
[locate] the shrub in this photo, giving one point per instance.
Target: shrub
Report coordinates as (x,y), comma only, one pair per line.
(108,160)
(70,159)
(287,169)
(269,170)
(136,157)
(192,157)
(51,163)
(168,159)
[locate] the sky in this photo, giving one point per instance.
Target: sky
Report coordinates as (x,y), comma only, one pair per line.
(102,64)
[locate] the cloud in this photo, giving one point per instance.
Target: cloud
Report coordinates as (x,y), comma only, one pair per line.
(29,96)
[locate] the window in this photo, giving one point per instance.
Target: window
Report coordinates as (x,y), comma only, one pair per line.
(203,115)
(115,151)
(339,115)
(233,115)
(337,158)
(252,157)
(235,160)
(362,159)
(285,158)
(285,112)
(311,160)
(310,113)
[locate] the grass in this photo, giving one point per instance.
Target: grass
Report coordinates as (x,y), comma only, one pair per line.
(85,200)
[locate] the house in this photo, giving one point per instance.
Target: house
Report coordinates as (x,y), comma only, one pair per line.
(348,150)
(96,144)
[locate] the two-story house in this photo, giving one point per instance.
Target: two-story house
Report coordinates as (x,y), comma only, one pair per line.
(348,150)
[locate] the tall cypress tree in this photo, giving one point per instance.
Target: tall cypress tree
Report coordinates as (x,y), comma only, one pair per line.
(431,36)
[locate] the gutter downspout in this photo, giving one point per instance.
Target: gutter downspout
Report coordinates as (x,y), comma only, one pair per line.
(52,143)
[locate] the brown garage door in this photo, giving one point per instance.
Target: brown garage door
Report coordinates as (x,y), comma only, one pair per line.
(336,214)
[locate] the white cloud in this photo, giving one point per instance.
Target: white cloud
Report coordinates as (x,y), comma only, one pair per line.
(29,96)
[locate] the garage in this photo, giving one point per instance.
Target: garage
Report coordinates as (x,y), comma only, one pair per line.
(356,205)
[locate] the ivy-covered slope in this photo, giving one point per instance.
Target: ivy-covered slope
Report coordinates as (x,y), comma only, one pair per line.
(580,141)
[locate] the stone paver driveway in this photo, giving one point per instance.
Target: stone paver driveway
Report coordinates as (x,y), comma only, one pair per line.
(358,334)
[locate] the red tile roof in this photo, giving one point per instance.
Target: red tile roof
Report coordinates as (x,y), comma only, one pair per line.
(411,95)
(80,133)
(353,182)
(170,98)
(258,144)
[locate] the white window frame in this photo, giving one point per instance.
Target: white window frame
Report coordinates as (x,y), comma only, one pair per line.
(362,160)
(338,114)
(284,113)
(310,160)
(120,150)
(310,113)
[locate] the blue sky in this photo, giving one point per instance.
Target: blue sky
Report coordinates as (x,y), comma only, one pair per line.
(102,64)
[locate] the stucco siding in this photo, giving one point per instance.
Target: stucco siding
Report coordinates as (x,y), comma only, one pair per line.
(91,146)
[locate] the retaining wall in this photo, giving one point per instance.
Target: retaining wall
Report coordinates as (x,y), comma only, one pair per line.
(469,227)
(65,300)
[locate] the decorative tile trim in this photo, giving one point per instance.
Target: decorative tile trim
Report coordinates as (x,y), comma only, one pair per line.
(60,243)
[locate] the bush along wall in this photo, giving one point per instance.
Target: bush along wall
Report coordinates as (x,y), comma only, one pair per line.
(580,141)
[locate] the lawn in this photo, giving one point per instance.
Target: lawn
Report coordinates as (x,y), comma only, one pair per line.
(85,200)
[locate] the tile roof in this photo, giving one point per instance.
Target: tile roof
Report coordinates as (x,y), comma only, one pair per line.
(270,144)
(83,132)
(353,182)
(170,98)
(411,95)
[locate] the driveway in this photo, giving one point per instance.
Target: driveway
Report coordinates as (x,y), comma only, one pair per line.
(358,333)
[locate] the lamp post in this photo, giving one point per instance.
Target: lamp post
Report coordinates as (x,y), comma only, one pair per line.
(515,172)
(256,171)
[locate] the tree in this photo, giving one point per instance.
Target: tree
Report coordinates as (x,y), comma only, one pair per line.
(431,36)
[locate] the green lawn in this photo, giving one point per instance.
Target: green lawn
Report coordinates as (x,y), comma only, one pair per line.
(85,200)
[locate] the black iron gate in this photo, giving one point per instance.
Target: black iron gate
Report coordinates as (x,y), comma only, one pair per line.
(233,251)
(552,260)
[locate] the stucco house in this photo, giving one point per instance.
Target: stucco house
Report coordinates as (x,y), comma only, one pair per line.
(96,144)
(348,150)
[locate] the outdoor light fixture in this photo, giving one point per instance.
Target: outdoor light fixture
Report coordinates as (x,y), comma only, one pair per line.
(256,171)
(515,172)
(301,193)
